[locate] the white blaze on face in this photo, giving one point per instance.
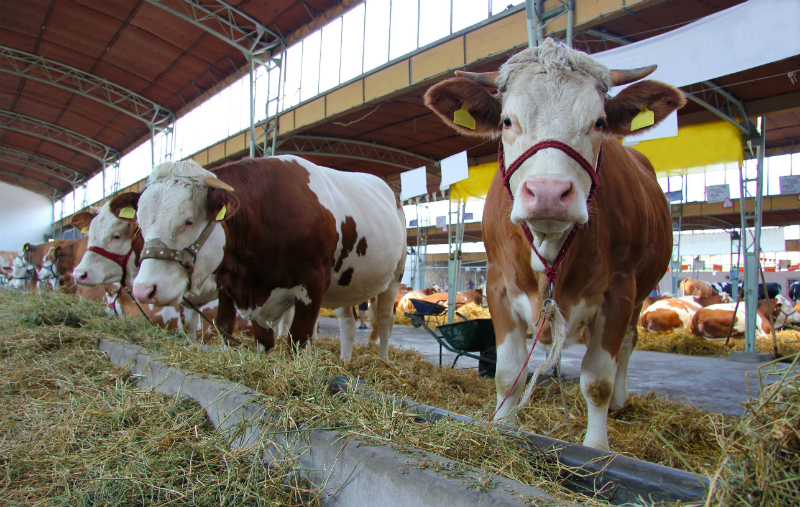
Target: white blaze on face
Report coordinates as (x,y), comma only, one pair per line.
(111,233)
(173,209)
(546,100)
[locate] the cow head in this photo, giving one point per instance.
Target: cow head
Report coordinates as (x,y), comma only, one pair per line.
(21,267)
(48,274)
(180,200)
(111,234)
(544,93)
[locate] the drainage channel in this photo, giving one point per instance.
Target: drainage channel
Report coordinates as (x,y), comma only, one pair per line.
(619,479)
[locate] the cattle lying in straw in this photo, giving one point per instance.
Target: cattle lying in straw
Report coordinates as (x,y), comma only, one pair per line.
(291,234)
(114,242)
(403,301)
(692,287)
(668,314)
(715,321)
(553,116)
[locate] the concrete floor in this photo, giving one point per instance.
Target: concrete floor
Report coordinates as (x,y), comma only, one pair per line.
(710,383)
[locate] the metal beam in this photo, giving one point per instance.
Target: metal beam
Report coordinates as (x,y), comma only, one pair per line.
(59,135)
(43,165)
(226,23)
(44,70)
(318,146)
(56,192)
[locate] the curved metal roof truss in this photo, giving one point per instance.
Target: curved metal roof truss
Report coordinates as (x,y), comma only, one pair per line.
(59,135)
(44,70)
(43,165)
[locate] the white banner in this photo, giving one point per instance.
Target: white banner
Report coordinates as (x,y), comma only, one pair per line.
(454,169)
(413,183)
(719,243)
(703,50)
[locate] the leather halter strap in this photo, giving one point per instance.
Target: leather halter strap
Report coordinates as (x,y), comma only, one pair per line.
(157,249)
(594,173)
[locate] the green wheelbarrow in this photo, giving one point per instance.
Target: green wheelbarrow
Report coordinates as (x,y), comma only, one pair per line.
(471,338)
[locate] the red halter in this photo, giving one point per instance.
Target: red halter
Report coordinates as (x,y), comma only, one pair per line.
(594,174)
(122,260)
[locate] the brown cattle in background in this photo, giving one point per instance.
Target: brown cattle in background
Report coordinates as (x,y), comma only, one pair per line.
(692,287)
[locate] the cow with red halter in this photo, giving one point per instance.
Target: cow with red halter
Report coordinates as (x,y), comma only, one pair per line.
(560,163)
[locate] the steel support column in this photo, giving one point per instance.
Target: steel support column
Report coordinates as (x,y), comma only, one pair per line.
(252,81)
(751,238)
(455,238)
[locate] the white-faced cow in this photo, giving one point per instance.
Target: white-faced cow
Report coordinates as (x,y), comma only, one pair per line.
(292,233)
(554,119)
(58,262)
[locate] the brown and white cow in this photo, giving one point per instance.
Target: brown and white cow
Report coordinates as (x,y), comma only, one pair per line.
(292,233)
(692,287)
(403,303)
(668,314)
(555,94)
(468,296)
(58,263)
(715,321)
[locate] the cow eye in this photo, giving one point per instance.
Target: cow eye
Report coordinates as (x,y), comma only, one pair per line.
(189,222)
(599,124)
(117,236)
(507,121)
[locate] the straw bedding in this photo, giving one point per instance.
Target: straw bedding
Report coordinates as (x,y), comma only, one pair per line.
(159,444)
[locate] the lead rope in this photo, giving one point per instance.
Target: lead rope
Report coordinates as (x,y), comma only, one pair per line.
(550,310)
(225,335)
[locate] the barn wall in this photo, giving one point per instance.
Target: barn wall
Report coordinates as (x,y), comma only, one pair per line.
(25,217)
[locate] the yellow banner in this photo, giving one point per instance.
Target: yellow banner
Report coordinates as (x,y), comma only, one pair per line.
(694,148)
(476,186)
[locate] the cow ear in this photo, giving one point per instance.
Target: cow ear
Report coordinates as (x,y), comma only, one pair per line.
(466,106)
(82,220)
(125,205)
(58,251)
(643,96)
(221,204)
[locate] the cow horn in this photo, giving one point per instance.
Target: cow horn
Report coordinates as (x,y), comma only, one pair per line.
(621,77)
(214,182)
(94,210)
(482,78)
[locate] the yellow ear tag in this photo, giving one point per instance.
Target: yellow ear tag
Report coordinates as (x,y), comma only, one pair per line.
(643,119)
(463,118)
(221,214)
(128,212)
(85,230)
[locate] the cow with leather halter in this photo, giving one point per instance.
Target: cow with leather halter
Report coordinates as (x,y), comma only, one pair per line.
(291,233)
(571,214)
(112,260)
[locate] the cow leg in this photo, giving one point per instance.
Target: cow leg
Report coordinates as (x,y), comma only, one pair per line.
(620,394)
(190,322)
(306,311)
(347,330)
(510,335)
(264,336)
(384,316)
(598,371)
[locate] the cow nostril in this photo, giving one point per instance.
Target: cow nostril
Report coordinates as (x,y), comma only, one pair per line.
(83,276)
(567,194)
(152,294)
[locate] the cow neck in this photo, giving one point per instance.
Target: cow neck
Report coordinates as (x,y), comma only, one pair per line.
(53,267)
(157,249)
(137,244)
(551,271)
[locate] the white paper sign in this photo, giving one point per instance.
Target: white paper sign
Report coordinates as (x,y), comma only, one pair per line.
(441,222)
(454,169)
(718,193)
(413,183)
(667,128)
(790,184)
